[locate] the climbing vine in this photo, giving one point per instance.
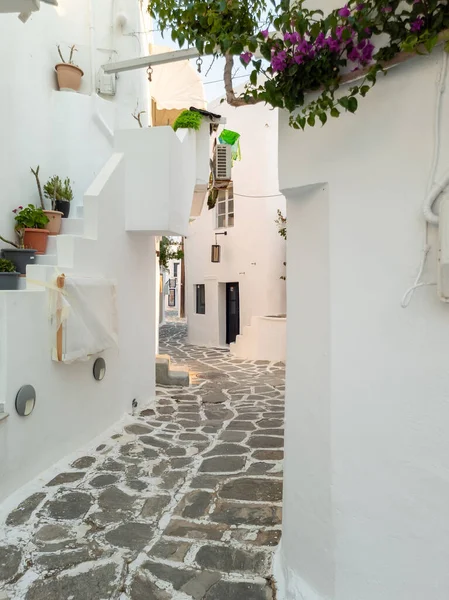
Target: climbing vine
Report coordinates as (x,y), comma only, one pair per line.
(294,51)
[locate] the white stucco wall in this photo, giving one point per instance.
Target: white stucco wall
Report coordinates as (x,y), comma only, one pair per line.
(70,135)
(37,125)
(252,253)
(367,451)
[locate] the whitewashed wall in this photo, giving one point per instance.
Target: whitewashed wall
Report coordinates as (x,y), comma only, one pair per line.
(367,449)
(253,252)
(40,126)
(71,135)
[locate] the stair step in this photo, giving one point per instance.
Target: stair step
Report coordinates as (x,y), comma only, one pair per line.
(79,212)
(165,375)
(72,226)
(46,259)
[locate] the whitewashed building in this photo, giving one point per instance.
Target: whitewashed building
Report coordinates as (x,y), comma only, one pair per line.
(124,199)
(223,299)
(367,451)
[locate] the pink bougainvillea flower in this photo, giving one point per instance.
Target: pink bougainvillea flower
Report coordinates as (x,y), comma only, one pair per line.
(21,207)
(344,12)
(264,33)
(354,55)
(386,9)
(14,211)
(367,52)
(417,25)
(246,57)
(279,61)
(360,7)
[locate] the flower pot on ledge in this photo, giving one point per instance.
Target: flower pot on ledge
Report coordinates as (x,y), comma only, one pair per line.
(36,239)
(54,221)
(9,281)
(63,207)
(20,257)
(69,76)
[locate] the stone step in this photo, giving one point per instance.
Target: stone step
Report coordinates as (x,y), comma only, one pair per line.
(168,375)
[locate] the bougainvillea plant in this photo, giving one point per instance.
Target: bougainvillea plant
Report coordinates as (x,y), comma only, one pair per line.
(300,58)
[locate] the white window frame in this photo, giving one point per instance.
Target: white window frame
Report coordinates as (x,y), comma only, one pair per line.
(224,199)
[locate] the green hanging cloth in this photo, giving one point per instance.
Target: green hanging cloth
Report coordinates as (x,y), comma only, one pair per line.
(228,137)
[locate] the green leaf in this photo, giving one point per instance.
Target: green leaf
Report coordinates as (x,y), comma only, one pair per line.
(446,47)
(364,90)
(344,101)
(311,120)
(323,117)
(253,78)
(352,104)
(335,112)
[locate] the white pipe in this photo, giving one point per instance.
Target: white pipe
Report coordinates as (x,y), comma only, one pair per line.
(433,191)
(93,72)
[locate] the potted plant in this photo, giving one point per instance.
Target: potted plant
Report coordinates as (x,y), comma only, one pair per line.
(60,194)
(9,278)
(69,75)
(31,223)
(54,216)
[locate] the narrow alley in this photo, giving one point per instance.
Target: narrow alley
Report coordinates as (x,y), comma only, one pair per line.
(183,502)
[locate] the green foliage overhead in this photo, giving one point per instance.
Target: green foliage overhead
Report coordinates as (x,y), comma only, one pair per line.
(169,250)
(6,266)
(55,189)
(299,50)
(188,119)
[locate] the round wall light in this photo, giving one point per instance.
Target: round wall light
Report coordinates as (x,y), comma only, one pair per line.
(25,400)
(99,369)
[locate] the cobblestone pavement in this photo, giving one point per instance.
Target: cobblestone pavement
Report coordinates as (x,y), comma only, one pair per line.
(184,503)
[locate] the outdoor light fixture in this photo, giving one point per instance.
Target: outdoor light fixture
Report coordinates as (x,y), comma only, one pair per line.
(99,369)
(216,249)
(25,400)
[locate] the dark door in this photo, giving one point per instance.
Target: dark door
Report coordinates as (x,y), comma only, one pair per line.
(232,312)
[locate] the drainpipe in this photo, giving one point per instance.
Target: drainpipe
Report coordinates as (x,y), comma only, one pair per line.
(92,47)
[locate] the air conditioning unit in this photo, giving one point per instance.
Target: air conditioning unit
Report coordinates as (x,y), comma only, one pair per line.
(223,162)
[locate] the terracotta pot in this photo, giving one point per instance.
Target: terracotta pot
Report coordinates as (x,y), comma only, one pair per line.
(36,238)
(54,223)
(69,76)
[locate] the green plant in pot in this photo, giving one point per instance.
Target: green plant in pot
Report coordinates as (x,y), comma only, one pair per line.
(54,216)
(31,228)
(9,278)
(17,253)
(60,194)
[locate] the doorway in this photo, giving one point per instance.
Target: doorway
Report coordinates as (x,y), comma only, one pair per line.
(232,312)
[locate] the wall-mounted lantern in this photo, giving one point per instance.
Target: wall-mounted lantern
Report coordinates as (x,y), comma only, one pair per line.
(215,255)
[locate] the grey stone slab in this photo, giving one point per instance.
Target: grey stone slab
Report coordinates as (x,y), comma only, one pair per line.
(23,512)
(10,558)
(229,590)
(115,499)
(278,432)
(161,468)
(264,537)
(112,465)
(173,480)
(154,506)
(227,449)
(130,535)
(177,577)
(233,436)
(199,585)
(265,441)
(268,454)
(194,505)
(138,429)
(215,397)
(166,549)
(193,437)
(142,588)
(103,480)
(259,468)
(241,426)
(270,423)
(84,462)
(51,533)
(148,412)
(60,561)
(71,505)
(66,478)
(181,463)
(195,531)
(229,560)
(246,514)
(155,442)
(252,489)
(223,464)
(96,584)
(137,484)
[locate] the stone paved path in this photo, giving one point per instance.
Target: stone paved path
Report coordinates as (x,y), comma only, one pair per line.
(184,503)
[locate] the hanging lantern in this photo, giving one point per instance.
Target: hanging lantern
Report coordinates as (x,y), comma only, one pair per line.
(215,254)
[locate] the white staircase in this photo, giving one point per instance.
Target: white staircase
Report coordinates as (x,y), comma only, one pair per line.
(264,339)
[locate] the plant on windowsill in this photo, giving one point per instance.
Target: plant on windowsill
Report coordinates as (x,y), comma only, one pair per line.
(54,216)
(188,119)
(69,75)
(60,194)
(9,278)
(31,228)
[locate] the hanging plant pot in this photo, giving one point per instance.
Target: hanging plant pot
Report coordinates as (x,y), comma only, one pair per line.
(9,281)
(36,238)
(63,207)
(69,76)
(54,221)
(20,257)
